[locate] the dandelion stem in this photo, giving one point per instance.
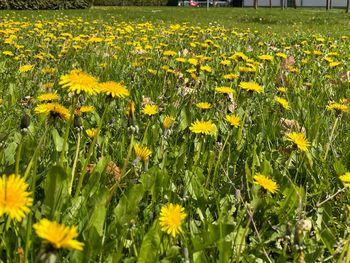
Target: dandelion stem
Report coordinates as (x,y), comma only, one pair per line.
(66,134)
(74,164)
(92,145)
(18,156)
(26,173)
(330,139)
(29,222)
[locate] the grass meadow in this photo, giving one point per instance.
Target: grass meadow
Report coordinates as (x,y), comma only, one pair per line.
(160,134)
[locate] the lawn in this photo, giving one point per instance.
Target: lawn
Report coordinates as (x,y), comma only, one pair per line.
(163,134)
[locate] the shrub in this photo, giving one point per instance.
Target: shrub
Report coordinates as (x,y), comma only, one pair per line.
(44,4)
(130,2)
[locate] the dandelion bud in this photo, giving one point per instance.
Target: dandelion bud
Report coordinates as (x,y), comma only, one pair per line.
(25,121)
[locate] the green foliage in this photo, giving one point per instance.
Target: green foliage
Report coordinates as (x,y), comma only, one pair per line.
(44,4)
(130,2)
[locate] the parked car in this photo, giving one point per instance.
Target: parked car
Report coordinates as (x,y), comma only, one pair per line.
(202,3)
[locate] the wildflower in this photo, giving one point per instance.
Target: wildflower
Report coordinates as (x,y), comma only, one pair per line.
(168,121)
(25,68)
(48,97)
(180,59)
(345,179)
(251,86)
(58,235)
(91,133)
(247,69)
(233,120)
(193,61)
(169,53)
(203,105)
(206,68)
(150,109)
(171,219)
(300,140)
(231,76)
(204,127)
(78,81)
(283,102)
(337,107)
(143,153)
(266,57)
(152,71)
(334,64)
(266,183)
(53,110)
(225,62)
(225,90)
(14,198)
(8,53)
(86,109)
(282,55)
(113,89)
(282,89)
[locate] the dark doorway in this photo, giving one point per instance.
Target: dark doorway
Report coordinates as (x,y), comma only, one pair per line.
(237,3)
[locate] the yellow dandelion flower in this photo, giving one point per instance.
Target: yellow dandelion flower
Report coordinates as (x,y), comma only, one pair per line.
(334,64)
(150,109)
(225,90)
(247,69)
(25,68)
(300,140)
(8,53)
(204,127)
(266,183)
(282,55)
(171,219)
(337,107)
(14,198)
(225,62)
(152,71)
(53,110)
(282,89)
(206,69)
(78,81)
(58,235)
(233,120)
(168,121)
(91,133)
(48,97)
(345,178)
(182,60)
(143,153)
(193,61)
(203,105)
(86,109)
(252,86)
(113,89)
(266,57)
(169,53)
(283,102)
(231,76)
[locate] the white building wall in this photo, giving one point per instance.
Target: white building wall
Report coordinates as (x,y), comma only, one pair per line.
(335,3)
(306,3)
